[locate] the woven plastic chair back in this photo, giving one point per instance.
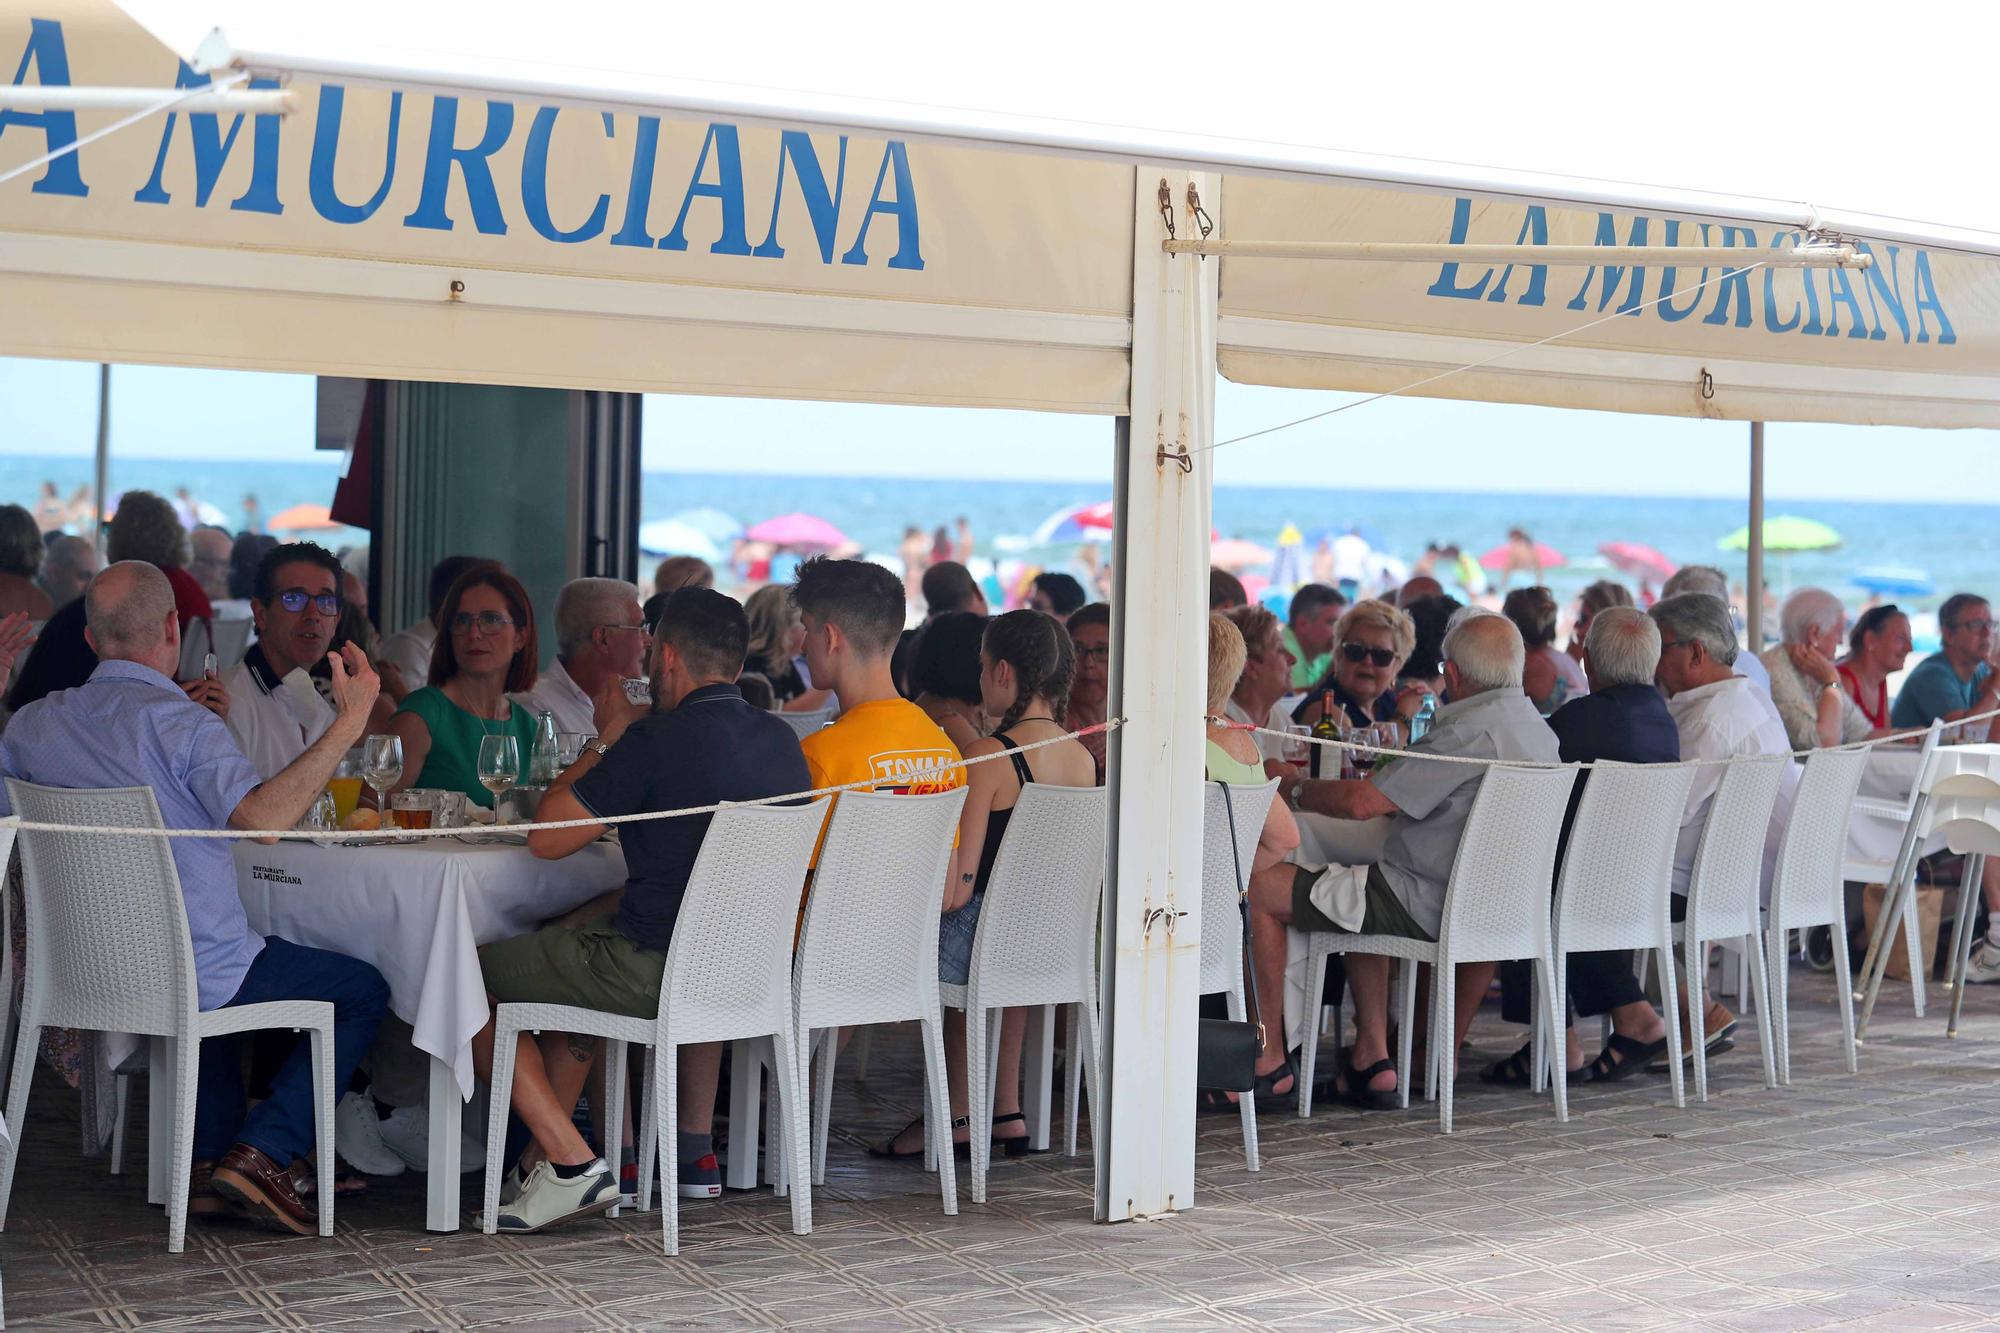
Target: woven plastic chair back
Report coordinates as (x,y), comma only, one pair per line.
(1221,921)
(1725,891)
(232,640)
(1805,890)
(1037,940)
(1613,889)
(805,724)
(107,933)
(729,965)
(870,945)
(1497,904)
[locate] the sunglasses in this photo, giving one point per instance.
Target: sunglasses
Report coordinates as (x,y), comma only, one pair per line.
(1355,652)
(489,622)
(295,599)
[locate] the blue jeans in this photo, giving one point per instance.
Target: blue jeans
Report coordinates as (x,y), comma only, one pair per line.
(281,1127)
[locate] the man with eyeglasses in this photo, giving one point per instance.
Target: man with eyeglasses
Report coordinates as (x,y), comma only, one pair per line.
(600,637)
(275,712)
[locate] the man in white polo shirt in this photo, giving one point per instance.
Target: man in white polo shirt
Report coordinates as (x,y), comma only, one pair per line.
(600,637)
(274,711)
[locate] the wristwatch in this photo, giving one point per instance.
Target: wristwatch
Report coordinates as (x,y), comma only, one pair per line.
(1293,799)
(598,747)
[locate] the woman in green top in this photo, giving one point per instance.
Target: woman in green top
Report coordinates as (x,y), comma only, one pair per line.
(485,652)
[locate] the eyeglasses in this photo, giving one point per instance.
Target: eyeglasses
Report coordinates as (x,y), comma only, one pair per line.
(1976,626)
(1355,652)
(489,622)
(295,599)
(1100,653)
(1673,643)
(647,628)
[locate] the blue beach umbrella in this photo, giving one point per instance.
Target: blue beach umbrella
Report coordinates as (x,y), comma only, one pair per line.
(673,536)
(1894,581)
(719,527)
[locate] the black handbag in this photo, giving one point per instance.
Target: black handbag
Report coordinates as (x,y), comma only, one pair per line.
(1226,1051)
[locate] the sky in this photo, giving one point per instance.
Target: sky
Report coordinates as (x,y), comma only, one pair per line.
(51,408)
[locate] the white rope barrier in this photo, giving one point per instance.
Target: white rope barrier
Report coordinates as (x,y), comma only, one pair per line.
(1894,737)
(361,836)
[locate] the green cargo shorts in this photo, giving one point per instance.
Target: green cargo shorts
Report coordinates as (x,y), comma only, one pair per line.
(591,966)
(1384,915)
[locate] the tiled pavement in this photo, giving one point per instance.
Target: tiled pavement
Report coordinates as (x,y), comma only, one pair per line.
(1856,1200)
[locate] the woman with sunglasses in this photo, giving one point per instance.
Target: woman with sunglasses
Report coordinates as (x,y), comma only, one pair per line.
(1876,650)
(486,650)
(1370,644)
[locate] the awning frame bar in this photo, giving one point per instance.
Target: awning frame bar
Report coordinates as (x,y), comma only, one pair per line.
(1573,256)
(227,101)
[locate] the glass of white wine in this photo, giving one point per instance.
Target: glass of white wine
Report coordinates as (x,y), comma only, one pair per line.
(382,765)
(499,765)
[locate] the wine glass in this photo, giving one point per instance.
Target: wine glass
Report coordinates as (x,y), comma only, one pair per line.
(1365,760)
(499,764)
(382,765)
(1297,743)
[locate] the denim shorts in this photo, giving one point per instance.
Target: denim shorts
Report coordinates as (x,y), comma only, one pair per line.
(955,934)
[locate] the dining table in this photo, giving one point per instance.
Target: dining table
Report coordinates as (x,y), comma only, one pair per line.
(418,911)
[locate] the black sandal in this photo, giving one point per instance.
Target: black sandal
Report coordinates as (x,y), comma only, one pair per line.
(1018,1144)
(1357,1092)
(888,1148)
(1623,1057)
(1516,1071)
(1268,1098)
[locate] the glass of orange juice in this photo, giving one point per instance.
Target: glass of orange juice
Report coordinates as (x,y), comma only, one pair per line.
(346,786)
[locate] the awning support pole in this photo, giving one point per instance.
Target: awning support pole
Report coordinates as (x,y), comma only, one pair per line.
(1753,579)
(228,101)
(1574,256)
(101,477)
(1159,654)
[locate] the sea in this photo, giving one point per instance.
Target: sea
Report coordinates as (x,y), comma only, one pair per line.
(1956,545)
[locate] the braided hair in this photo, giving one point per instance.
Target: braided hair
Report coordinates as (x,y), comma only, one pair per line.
(1038,649)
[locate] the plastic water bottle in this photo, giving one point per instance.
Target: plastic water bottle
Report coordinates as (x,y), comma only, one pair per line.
(1426,714)
(543,762)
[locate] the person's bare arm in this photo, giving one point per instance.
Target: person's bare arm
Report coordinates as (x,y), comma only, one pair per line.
(982,789)
(1279,836)
(614,713)
(281,801)
(1345,799)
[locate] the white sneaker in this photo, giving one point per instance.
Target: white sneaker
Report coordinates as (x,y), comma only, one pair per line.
(547,1199)
(510,1184)
(357,1136)
(407,1132)
(1983,966)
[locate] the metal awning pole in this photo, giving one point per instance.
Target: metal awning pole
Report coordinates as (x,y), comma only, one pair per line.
(1576,256)
(228,101)
(102,475)
(1753,593)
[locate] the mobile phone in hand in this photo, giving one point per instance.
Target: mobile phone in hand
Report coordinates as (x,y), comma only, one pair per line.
(638,691)
(208,666)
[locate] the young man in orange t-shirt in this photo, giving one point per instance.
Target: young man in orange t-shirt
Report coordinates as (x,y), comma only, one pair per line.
(853,613)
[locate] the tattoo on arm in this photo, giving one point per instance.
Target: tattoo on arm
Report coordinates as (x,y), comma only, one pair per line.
(581,1047)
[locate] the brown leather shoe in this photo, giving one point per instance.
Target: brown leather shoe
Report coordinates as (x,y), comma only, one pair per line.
(263,1191)
(203,1201)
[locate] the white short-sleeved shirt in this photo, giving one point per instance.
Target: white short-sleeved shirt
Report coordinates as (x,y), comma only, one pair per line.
(273,720)
(1715,722)
(410,652)
(560,696)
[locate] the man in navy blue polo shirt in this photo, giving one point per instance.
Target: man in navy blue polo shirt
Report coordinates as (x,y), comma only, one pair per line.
(1625,720)
(698,744)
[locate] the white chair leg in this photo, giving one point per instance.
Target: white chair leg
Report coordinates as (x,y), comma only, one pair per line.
(1309,1051)
(864,1046)
(1038,1061)
(187,1057)
(1920,966)
(940,1113)
(1841,972)
(791,1117)
(982,1053)
(1088,1055)
(1675,1077)
(122,1100)
(499,1096)
(1406,970)
(1554,1007)
(649,1131)
(1246,1102)
(610,1117)
(1445,1029)
(28,1041)
(823,1103)
(1073,1079)
(1539,1053)
(666,1110)
(1697,1009)
(323,1098)
(1753,960)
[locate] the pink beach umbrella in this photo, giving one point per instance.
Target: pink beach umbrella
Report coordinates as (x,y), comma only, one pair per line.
(1235,553)
(1548,555)
(1641,562)
(801,532)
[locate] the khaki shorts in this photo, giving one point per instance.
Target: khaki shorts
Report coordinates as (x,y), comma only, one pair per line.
(1384,914)
(591,966)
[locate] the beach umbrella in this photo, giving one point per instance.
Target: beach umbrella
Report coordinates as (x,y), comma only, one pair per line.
(1074,523)
(804,532)
(1785,533)
(1894,581)
(1547,554)
(1641,562)
(719,527)
(672,536)
(303,518)
(1235,553)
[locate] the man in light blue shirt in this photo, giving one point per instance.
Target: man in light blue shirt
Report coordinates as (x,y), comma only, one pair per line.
(129,725)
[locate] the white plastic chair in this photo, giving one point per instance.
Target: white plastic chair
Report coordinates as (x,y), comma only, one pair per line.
(1806,890)
(869,950)
(726,977)
(1496,907)
(1222,918)
(1036,945)
(1890,874)
(1724,898)
(1616,872)
(232,639)
(108,951)
(805,724)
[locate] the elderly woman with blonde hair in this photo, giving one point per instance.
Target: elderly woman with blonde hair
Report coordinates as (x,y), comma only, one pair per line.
(1805,684)
(1371,642)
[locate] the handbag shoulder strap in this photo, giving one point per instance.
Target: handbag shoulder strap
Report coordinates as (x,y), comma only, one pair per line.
(1243,911)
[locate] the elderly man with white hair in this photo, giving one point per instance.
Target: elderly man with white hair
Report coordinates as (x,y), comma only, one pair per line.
(1719,717)
(1805,685)
(600,640)
(1486,716)
(1712,582)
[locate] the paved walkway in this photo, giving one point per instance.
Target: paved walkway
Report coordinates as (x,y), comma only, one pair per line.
(1841,1200)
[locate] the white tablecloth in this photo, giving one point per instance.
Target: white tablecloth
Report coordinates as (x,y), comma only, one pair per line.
(1891,772)
(419,913)
(1322,841)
